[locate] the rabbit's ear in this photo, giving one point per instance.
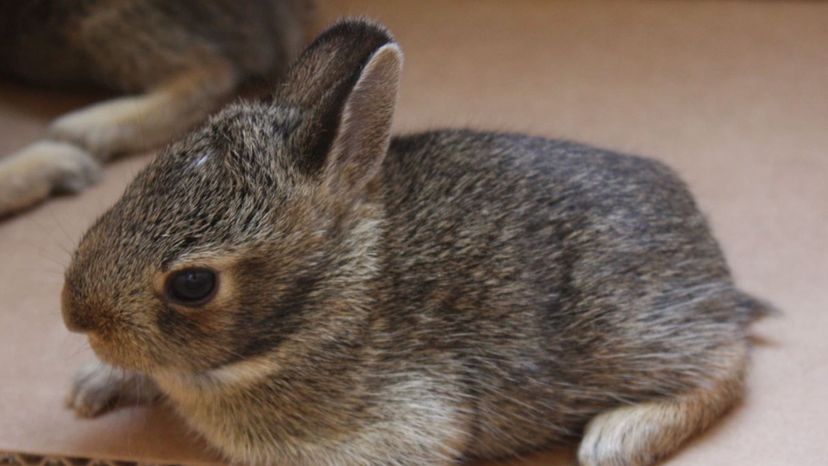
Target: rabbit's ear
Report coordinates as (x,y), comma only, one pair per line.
(346,85)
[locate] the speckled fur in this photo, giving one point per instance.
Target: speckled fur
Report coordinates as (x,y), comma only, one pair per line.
(454,294)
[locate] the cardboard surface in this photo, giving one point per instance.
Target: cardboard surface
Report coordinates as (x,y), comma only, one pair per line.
(733,95)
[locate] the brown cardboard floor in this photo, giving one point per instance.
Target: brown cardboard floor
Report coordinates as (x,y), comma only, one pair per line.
(734,95)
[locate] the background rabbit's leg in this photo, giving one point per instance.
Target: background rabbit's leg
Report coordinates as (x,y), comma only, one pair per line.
(135,123)
(32,173)
(98,388)
(641,434)
(81,139)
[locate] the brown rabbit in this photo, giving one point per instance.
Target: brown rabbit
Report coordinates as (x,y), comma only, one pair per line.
(178,60)
(306,289)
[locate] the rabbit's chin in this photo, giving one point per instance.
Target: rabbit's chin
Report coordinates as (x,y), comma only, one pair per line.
(117,354)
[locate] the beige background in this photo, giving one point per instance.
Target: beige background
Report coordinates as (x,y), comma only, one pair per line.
(734,95)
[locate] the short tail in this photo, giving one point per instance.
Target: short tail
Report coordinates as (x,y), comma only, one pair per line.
(755,308)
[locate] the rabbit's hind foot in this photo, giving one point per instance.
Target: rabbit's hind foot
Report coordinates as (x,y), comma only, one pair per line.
(643,434)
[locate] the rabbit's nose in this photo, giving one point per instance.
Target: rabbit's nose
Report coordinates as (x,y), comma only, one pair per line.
(76,317)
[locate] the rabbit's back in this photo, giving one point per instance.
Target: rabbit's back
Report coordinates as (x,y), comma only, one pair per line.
(556,280)
(129,46)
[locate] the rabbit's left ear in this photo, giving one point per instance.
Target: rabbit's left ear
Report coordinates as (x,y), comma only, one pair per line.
(346,85)
(364,127)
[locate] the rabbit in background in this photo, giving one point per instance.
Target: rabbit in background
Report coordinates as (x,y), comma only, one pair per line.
(304,288)
(175,61)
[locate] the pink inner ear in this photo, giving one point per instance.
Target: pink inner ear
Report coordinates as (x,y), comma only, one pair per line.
(364,130)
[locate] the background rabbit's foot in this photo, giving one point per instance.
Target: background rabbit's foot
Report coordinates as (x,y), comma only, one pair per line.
(145,121)
(30,175)
(103,128)
(98,388)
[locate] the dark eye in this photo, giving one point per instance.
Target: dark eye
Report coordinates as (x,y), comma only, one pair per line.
(192,286)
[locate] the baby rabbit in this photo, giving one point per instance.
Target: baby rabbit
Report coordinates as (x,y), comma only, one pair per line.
(177,59)
(307,290)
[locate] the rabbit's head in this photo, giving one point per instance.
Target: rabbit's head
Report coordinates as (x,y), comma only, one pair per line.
(255,231)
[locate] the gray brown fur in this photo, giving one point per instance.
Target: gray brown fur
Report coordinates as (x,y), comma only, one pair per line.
(178,60)
(443,296)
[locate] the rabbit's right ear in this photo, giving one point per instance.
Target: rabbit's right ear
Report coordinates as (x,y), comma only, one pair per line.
(345,84)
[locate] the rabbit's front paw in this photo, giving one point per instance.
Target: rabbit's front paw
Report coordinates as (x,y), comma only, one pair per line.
(98,388)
